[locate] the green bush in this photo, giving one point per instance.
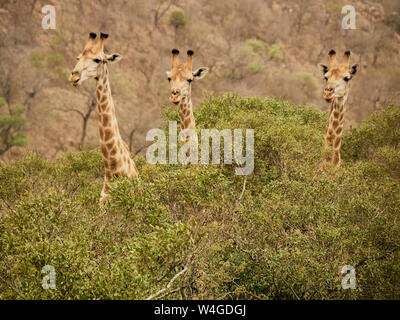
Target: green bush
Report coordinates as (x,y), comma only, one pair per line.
(381,129)
(256,46)
(253,51)
(255,67)
(334,10)
(50,61)
(277,51)
(177,18)
(37,59)
(286,238)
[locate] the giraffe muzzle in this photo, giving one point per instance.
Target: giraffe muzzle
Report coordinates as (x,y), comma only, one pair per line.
(175,97)
(74,79)
(174,101)
(328,94)
(76,82)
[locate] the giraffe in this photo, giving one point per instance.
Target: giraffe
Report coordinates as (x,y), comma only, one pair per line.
(93,63)
(337,77)
(181,77)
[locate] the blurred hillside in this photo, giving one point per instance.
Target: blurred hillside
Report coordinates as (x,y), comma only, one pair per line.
(253,48)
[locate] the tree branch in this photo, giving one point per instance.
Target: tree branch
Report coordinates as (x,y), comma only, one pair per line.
(72,110)
(241,194)
(168,287)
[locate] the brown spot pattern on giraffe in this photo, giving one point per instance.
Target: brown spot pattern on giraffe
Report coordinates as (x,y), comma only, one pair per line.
(114,164)
(108,134)
(106,120)
(104,107)
(104,151)
(110,144)
(337,142)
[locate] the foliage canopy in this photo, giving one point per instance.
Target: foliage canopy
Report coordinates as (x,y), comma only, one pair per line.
(286,238)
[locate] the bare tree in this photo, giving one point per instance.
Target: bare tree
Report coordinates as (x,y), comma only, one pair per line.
(131,136)
(160,11)
(91,106)
(11,126)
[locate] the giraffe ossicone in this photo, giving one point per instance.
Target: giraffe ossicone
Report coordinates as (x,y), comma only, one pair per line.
(337,77)
(93,63)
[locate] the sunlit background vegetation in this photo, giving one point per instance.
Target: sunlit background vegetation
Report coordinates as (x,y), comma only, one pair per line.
(253,48)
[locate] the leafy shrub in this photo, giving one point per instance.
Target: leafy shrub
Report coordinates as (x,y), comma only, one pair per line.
(334,10)
(252,52)
(256,46)
(381,129)
(277,51)
(255,67)
(50,61)
(177,18)
(37,59)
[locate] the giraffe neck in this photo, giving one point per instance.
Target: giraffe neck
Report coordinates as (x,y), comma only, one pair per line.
(334,130)
(116,156)
(108,125)
(186,113)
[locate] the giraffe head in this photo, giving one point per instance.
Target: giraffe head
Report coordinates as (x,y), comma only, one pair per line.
(91,60)
(337,76)
(181,76)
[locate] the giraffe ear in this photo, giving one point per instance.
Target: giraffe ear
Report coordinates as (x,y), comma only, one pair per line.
(353,69)
(115,57)
(200,73)
(324,69)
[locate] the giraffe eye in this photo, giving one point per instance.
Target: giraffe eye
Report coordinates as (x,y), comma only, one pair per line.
(346,79)
(169,79)
(190,80)
(97,60)
(326,79)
